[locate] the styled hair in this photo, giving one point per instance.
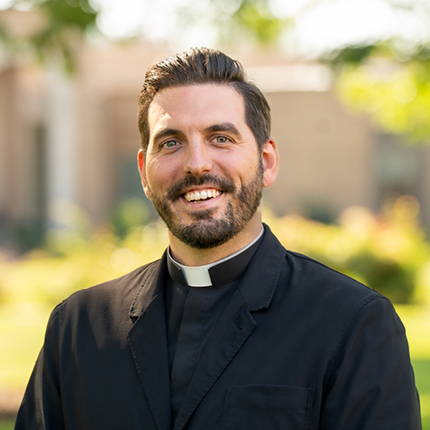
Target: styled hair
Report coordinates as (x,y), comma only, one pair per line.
(204,66)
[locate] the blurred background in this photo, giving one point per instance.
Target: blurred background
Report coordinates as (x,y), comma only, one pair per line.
(349,86)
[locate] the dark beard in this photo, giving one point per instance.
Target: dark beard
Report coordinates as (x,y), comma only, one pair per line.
(206,232)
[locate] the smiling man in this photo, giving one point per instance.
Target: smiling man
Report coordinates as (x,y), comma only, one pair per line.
(228,330)
(204,171)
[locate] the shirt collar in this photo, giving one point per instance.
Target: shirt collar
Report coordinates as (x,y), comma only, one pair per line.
(217,273)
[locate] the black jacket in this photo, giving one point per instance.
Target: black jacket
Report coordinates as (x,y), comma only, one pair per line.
(299,347)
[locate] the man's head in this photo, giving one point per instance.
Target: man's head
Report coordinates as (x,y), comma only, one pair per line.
(206,152)
(204,66)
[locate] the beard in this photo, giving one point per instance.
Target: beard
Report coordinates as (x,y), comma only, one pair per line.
(205,231)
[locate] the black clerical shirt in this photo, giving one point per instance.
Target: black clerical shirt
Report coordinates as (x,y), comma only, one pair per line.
(192,314)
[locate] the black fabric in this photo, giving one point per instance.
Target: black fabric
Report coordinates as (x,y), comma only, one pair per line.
(176,297)
(201,311)
(192,313)
(299,346)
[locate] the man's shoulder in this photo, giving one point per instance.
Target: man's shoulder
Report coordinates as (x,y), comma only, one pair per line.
(315,269)
(329,302)
(116,292)
(304,277)
(310,277)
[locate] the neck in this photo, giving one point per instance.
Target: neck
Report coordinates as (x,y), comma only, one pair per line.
(189,256)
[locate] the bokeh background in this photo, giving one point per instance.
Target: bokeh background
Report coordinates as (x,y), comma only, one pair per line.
(349,86)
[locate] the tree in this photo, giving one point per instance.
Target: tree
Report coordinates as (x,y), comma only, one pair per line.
(63,22)
(253,18)
(394,90)
(389,79)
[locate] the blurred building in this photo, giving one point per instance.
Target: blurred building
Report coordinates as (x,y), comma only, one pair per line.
(75,138)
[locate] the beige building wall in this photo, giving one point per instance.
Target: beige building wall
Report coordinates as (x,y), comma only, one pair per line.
(109,80)
(20,97)
(326,154)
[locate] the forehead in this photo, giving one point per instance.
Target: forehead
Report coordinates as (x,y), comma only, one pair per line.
(196,104)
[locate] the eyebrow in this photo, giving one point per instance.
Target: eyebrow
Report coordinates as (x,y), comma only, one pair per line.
(166,132)
(224,126)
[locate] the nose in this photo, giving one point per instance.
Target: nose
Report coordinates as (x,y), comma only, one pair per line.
(198,159)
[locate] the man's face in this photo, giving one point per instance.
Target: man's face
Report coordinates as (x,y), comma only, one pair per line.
(203,171)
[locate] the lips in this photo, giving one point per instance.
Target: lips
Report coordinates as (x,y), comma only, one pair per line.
(194,196)
(184,188)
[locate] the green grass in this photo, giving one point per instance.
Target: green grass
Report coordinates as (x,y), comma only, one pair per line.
(6,424)
(422,376)
(417,323)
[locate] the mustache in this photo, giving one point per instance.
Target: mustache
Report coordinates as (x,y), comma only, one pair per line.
(223,184)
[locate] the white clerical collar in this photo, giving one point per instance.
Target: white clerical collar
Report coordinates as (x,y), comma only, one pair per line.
(199,276)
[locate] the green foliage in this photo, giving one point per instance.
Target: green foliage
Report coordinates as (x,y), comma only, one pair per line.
(390,83)
(256,20)
(389,79)
(61,13)
(389,252)
(354,55)
(130,213)
(399,102)
(237,21)
(65,22)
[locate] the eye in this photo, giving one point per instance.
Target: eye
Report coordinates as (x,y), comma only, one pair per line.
(221,139)
(170,144)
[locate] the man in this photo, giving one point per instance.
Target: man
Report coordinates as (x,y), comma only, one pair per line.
(228,330)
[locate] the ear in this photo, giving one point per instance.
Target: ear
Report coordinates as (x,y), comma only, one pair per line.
(142,170)
(270,159)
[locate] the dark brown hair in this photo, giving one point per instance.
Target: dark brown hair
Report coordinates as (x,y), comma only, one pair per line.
(204,66)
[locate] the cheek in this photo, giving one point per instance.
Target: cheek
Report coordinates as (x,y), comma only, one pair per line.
(160,175)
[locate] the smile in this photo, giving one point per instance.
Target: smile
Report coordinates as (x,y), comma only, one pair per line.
(194,196)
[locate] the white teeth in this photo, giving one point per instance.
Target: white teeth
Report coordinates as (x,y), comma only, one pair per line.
(201,195)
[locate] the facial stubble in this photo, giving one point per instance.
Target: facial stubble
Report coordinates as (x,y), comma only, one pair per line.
(206,231)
